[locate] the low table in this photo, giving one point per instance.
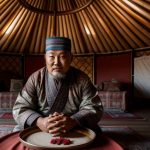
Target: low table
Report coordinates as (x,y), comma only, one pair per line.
(101,142)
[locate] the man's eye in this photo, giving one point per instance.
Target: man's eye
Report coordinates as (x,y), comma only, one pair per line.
(51,56)
(63,57)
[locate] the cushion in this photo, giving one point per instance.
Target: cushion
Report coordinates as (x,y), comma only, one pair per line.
(16,85)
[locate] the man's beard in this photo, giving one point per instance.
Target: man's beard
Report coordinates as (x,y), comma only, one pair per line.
(59,75)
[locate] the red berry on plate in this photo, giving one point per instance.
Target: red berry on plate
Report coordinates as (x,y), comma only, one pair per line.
(53,141)
(66,142)
(60,140)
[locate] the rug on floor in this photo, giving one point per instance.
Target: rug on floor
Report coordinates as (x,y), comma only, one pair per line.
(6,117)
(121,115)
(7,122)
(127,137)
(6,129)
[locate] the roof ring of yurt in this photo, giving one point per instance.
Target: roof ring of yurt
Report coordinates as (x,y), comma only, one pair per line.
(58,7)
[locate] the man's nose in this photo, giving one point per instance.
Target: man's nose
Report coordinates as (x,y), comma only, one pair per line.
(57,60)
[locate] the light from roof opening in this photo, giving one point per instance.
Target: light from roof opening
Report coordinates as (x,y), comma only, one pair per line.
(10,28)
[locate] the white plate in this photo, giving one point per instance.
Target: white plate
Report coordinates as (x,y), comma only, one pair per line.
(36,139)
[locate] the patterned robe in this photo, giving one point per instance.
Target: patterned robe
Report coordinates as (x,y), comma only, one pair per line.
(82,103)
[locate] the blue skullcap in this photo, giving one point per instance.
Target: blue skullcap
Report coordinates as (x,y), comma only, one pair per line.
(58,43)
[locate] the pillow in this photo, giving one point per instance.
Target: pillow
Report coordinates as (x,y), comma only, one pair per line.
(16,85)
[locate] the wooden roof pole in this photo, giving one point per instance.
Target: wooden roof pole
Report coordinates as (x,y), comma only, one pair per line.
(55,20)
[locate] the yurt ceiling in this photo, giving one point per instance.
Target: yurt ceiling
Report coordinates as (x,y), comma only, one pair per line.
(94,26)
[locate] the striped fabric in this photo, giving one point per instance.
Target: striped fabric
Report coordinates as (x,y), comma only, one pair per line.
(58,43)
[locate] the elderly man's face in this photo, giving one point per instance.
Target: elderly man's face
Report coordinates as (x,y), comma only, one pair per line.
(58,62)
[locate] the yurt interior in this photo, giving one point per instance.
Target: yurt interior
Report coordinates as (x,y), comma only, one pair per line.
(110,42)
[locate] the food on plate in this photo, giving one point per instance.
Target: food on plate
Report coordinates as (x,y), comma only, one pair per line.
(60,140)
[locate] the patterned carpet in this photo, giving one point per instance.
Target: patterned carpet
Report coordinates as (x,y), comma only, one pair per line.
(7,122)
(127,137)
(6,129)
(6,117)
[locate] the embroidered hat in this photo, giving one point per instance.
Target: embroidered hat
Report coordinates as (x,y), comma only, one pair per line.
(58,43)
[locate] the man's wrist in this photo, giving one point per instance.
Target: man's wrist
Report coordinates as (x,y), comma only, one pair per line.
(37,122)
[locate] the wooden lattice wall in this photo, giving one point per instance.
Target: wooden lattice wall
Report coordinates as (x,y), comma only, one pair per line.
(86,64)
(142,53)
(12,64)
(10,68)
